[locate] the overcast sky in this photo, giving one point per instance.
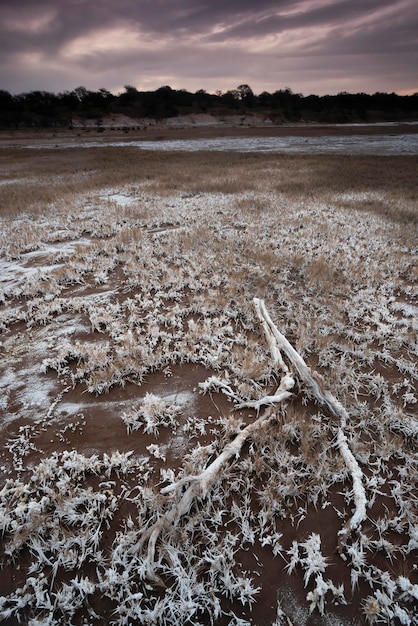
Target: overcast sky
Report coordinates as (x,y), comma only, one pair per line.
(311,46)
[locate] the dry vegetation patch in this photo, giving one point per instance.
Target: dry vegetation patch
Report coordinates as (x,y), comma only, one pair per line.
(164,460)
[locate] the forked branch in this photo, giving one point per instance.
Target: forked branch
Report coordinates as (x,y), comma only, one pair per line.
(185,491)
(327,400)
(198,486)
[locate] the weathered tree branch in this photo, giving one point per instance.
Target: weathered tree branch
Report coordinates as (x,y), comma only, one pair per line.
(188,489)
(199,485)
(333,405)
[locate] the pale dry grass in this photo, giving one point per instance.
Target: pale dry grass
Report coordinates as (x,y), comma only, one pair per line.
(50,178)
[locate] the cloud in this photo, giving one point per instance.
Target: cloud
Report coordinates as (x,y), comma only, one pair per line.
(310,45)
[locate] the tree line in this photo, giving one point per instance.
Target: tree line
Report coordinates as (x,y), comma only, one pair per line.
(43,109)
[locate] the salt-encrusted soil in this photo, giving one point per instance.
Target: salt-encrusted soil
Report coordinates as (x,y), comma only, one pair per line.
(132,356)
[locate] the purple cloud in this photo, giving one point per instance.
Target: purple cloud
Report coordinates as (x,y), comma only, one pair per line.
(313,46)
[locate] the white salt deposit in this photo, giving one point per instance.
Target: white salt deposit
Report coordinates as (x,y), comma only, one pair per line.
(391,144)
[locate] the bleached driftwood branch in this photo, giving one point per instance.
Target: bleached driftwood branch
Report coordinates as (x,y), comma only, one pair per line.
(199,485)
(214,383)
(189,488)
(275,338)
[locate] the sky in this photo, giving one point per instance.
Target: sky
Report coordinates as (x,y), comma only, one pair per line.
(310,46)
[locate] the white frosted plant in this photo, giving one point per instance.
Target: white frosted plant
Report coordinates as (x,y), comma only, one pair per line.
(152,413)
(313,562)
(308,554)
(316,597)
(293,552)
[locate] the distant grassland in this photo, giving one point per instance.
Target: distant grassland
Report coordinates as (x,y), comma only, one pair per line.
(38,180)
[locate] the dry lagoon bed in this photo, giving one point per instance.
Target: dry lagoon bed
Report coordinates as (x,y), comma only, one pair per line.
(208,388)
